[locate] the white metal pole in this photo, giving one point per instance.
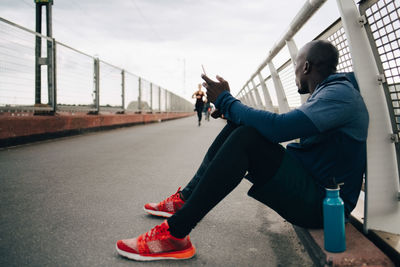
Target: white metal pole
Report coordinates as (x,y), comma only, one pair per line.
(258,98)
(159,99)
(123,90)
(292,47)
(382,207)
(248,98)
(140,95)
(96,77)
(280,93)
(252,99)
(151,97)
(268,102)
(243,97)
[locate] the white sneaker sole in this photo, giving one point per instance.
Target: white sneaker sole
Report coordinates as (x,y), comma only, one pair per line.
(158,213)
(189,254)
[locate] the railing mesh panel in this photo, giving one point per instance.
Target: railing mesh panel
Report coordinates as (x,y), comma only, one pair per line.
(340,41)
(384,20)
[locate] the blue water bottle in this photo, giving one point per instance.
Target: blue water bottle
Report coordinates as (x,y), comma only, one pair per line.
(333,210)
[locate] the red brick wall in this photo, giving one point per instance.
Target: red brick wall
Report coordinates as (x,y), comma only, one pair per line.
(22,126)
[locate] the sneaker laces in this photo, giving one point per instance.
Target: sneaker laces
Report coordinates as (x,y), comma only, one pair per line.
(156,232)
(172,198)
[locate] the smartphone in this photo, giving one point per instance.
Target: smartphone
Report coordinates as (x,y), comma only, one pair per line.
(204,71)
(215,114)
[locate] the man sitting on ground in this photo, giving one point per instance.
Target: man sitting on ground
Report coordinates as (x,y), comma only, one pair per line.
(332,126)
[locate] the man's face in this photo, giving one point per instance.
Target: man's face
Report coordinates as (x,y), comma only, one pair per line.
(299,72)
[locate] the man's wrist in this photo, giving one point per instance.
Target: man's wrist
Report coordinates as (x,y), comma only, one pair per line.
(218,101)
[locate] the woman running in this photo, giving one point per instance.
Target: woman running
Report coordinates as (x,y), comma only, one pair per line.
(199,102)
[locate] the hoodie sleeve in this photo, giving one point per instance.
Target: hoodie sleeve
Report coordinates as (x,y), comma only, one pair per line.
(275,127)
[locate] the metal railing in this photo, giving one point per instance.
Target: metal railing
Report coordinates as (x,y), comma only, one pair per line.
(368,40)
(75,81)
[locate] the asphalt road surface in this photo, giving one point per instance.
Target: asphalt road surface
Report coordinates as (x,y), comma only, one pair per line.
(65,202)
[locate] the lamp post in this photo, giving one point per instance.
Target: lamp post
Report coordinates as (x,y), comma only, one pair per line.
(49,60)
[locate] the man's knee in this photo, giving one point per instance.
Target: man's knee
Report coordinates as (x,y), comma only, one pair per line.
(242,138)
(255,145)
(247,136)
(264,156)
(245,131)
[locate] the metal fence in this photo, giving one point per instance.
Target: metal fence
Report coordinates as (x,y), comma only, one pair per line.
(368,40)
(75,81)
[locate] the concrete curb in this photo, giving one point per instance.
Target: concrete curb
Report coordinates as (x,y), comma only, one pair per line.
(359,252)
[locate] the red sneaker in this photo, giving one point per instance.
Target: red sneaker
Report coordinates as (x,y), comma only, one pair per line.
(157,244)
(167,207)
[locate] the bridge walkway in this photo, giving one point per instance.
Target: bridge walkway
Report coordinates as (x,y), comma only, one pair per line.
(65,202)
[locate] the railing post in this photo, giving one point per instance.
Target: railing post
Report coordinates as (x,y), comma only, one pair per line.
(159,99)
(280,93)
(268,102)
(292,47)
(170,102)
(96,80)
(239,96)
(50,44)
(247,97)
(252,99)
(140,95)
(242,97)
(123,89)
(174,103)
(38,53)
(382,205)
(151,97)
(49,73)
(54,76)
(258,98)
(166,101)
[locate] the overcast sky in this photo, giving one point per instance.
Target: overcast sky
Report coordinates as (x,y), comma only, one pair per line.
(166,41)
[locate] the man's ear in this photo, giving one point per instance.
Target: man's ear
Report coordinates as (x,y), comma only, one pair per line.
(307,67)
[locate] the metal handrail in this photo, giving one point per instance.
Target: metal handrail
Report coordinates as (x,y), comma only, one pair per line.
(305,13)
(173,99)
(25,29)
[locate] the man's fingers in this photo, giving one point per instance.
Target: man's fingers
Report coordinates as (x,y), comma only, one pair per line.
(208,80)
(220,79)
(223,82)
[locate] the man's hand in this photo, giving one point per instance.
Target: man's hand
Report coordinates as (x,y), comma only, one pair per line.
(214,89)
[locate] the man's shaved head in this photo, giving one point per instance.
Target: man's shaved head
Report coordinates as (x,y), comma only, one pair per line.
(314,63)
(324,56)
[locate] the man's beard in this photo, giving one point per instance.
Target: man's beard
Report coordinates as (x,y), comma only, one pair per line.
(303,91)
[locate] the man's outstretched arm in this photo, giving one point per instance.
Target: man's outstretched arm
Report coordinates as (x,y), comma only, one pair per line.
(275,127)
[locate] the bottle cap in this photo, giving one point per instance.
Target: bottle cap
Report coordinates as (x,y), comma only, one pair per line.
(332,184)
